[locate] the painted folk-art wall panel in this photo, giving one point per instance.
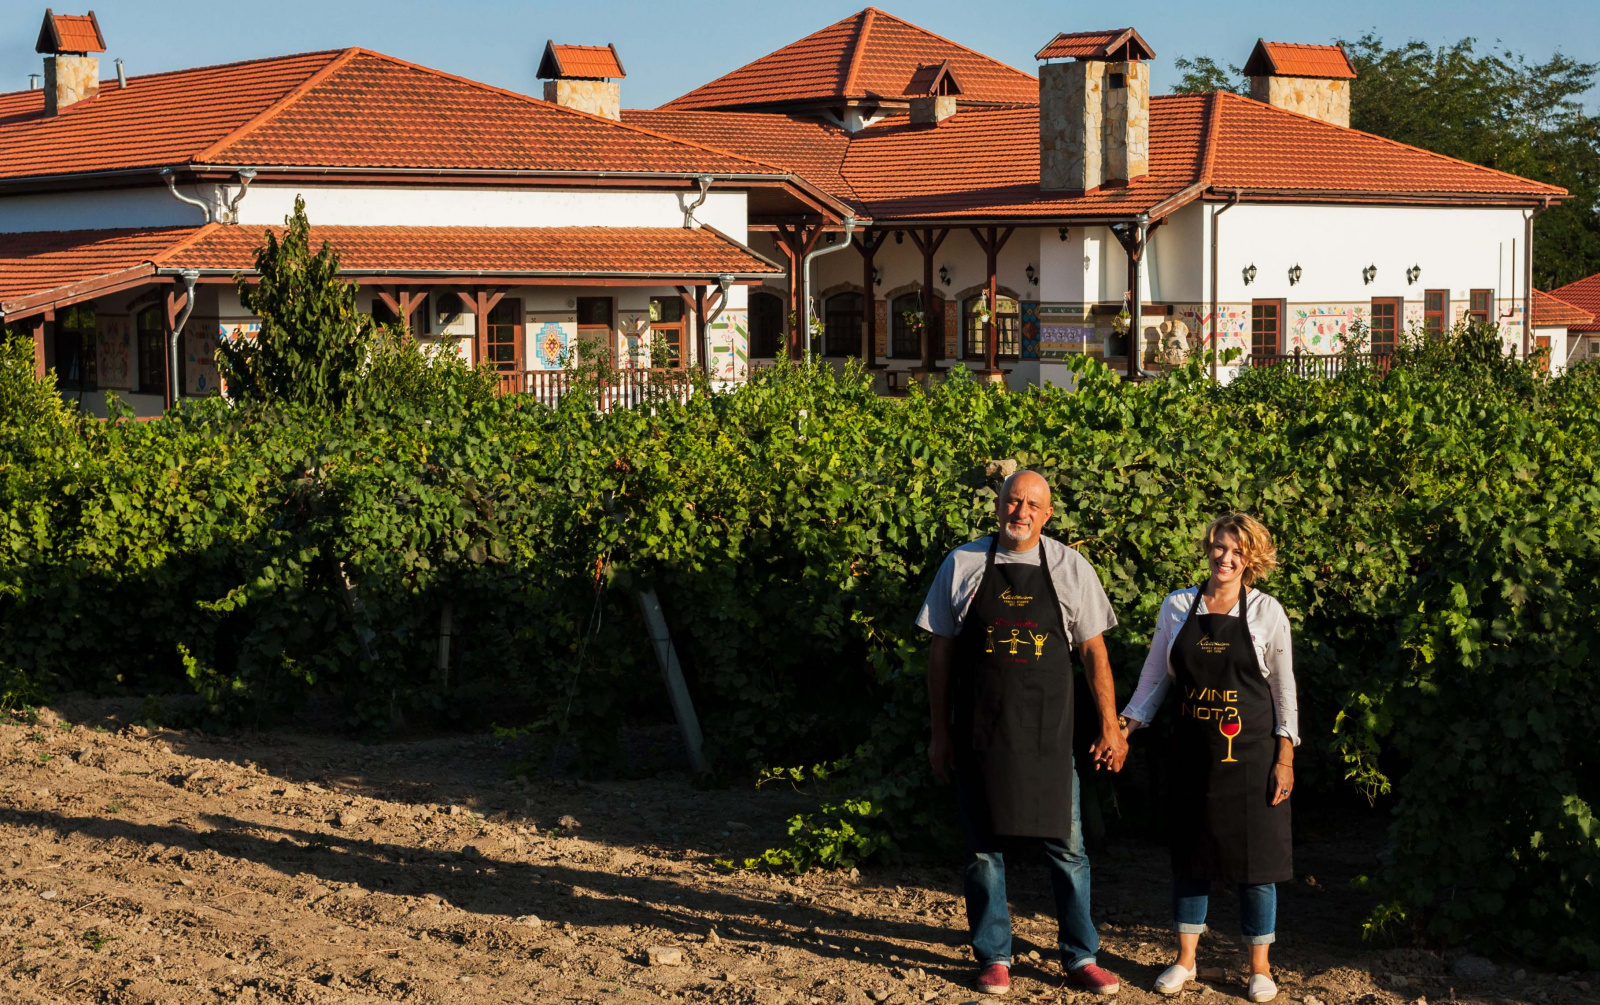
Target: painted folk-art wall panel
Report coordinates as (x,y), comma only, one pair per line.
(551,338)
(1065,330)
(1030,329)
(114,351)
(729,340)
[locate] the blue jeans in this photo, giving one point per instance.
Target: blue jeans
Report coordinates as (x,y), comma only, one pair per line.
(984,883)
(1258,909)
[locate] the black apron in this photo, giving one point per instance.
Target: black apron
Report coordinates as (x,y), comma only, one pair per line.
(1223,745)
(1013,704)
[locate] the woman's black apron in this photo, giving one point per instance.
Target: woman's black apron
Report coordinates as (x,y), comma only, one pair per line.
(1224,826)
(1013,704)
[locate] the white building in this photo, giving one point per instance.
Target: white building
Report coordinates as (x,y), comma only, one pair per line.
(513,228)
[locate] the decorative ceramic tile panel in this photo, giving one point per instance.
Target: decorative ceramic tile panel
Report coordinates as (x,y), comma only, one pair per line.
(114,351)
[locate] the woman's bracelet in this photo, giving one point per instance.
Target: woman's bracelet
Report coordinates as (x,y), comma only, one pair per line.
(1286,764)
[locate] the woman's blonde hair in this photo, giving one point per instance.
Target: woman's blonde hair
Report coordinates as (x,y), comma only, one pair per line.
(1255,541)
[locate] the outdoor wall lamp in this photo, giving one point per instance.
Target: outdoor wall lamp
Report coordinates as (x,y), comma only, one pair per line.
(877,276)
(1413,274)
(899,237)
(1063,233)
(1033,276)
(944,274)
(1249,274)
(1368,274)
(1294,274)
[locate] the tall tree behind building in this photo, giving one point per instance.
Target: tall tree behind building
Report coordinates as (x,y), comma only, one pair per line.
(1491,108)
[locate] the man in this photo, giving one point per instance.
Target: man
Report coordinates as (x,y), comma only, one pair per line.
(1004,612)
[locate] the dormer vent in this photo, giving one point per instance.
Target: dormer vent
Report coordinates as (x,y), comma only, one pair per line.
(933,91)
(584,78)
(71,74)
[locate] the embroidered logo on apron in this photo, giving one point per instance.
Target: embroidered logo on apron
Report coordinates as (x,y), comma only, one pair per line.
(1015,640)
(1013,599)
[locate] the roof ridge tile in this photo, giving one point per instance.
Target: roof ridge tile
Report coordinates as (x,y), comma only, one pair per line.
(859,48)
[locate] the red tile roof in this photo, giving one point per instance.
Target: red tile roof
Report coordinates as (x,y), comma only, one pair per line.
(868,55)
(1292,59)
(43,268)
(802,145)
(158,119)
(1551,312)
(70,33)
(1584,295)
(583,62)
(557,251)
(34,264)
(1119,43)
(983,163)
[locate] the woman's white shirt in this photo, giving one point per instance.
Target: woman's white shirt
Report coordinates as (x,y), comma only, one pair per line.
(1269,636)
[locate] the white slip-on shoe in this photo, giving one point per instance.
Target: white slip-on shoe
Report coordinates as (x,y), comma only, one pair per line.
(1261,988)
(1173,979)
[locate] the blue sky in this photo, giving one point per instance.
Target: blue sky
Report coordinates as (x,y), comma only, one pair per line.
(669,48)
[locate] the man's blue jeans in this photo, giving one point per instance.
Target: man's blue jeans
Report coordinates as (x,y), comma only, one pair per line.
(1258,909)
(984,882)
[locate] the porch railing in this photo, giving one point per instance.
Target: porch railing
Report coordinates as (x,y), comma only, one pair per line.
(614,388)
(1307,364)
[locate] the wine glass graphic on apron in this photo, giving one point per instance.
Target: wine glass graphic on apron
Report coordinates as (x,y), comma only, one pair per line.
(1229,726)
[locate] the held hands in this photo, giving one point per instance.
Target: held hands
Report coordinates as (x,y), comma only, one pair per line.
(1111,749)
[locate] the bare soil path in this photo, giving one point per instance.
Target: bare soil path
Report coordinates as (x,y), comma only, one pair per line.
(170,867)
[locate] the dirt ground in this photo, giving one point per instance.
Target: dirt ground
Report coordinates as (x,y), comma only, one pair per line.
(172,867)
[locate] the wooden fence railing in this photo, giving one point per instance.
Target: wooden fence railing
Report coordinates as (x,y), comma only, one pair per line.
(616,388)
(1306,364)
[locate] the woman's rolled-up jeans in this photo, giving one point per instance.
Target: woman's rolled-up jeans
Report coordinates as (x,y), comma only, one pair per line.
(1258,909)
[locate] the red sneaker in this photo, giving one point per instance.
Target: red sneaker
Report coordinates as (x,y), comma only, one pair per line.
(1092,979)
(994,979)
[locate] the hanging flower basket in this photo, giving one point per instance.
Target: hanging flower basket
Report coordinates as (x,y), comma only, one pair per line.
(1120,323)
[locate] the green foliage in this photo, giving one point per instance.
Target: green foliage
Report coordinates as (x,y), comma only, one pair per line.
(26,402)
(313,344)
(1440,565)
(1202,74)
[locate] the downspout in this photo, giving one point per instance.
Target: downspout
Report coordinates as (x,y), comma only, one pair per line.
(1216,311)
(689,222)
(246,176)
(1527,285)
(805,279)
(1136,295)
(190,277)
(172,186)
(724,283)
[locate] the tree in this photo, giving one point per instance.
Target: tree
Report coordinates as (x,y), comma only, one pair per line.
(1202,74)
(313,344)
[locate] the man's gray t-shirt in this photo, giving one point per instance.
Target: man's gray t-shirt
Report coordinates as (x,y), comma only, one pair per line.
(1085,610)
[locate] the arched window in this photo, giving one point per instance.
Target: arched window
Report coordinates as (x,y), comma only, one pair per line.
(766,325)
(1007,321)
(841,325)
(905,342)
(152,328)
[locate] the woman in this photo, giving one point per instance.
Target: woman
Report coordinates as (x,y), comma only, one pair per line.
(1233,743)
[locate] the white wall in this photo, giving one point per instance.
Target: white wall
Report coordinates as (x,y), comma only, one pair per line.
(419,206)
(1461,248)
(429,206)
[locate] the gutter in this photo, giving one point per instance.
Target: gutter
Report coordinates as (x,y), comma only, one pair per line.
(1216,310)
(493,274)
(805,279)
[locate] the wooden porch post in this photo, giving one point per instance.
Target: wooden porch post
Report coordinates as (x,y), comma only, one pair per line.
(38,347)
(928,243)
(796,241)
(868,242)
(702,340)
(480,302)
(991,243)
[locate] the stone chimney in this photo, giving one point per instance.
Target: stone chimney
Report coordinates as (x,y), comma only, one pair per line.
(71,74)
(1094,111)
(583,77)
(1313,80)
(933,91)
